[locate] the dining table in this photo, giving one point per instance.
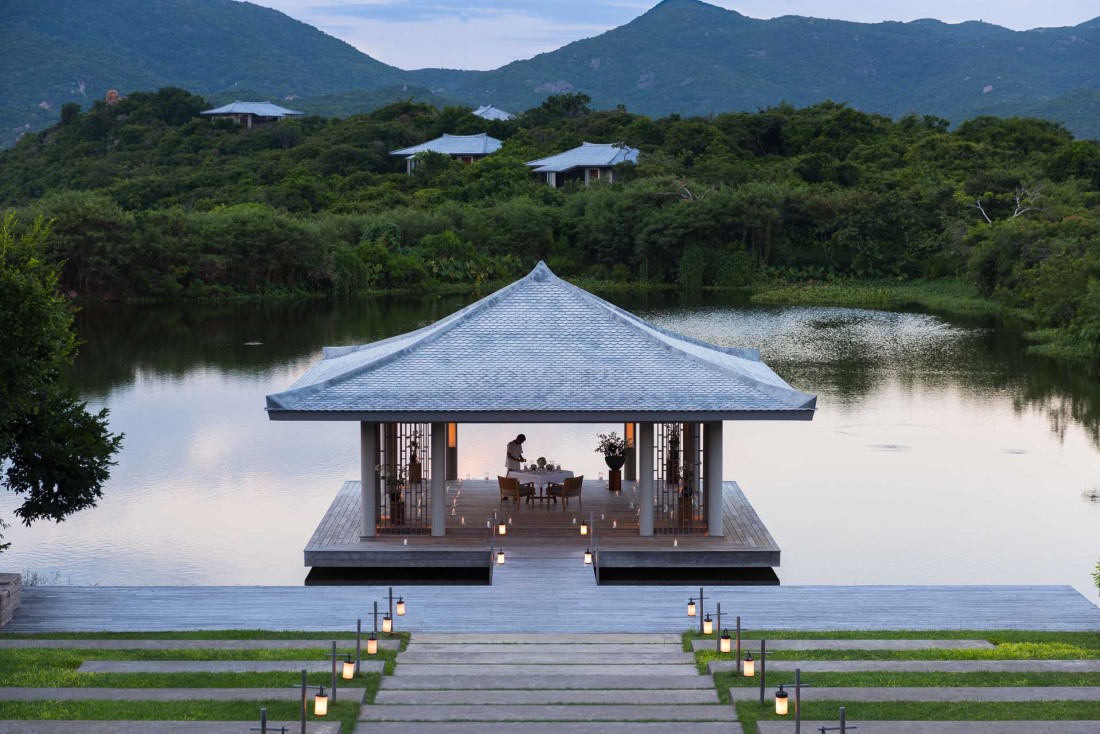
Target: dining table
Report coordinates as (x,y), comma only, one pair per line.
(541,479)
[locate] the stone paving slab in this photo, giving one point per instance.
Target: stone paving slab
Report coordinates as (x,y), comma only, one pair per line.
(563,638)
(631,648)
(922,666)
(544,656)
(465,681)
(933,693)
(408,670)
(579,712)
(167,694)
(158,727)
(595,696)
(218,666)
(942,727)
(853,644)
(555,727)
(342,645)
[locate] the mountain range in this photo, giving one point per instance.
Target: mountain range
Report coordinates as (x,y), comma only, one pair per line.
(682,56)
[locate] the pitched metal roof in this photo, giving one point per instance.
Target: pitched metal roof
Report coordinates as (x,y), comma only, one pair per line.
(480,144)
(586,155)
(260,109)
(488,112)
(540,349)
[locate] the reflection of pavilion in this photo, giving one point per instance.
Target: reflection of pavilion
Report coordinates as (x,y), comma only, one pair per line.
(540,351)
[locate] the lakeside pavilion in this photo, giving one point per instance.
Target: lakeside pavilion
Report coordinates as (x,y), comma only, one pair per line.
(540,351)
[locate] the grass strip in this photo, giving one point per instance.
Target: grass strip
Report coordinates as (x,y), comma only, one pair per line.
(70,679)
(346,712)
(750,712)
(997,637)
(204,635)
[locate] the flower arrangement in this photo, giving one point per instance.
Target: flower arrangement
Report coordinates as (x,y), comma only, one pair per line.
(541,461)
(611,444)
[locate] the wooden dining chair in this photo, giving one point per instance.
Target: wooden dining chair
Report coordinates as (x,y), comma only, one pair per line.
(571,487)
(511,489)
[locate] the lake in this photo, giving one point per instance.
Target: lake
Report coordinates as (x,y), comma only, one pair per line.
(940,453)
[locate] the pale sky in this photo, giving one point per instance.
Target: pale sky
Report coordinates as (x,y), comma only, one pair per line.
(485,34)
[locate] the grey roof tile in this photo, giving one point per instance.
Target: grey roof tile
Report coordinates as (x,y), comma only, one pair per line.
(587,155)
(261,109)
(480,144)
(541,346)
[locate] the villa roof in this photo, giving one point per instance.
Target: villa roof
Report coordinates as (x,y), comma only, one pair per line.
(488,112)
(540,350)
(587,155)
(260,109)
(480,144)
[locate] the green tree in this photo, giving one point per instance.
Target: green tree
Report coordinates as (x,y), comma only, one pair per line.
(55,453)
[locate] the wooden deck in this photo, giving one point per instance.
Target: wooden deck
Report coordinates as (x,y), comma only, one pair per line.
(542,527)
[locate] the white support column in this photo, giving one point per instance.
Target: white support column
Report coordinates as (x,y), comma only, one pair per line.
(713,471)
(645,478)
(439,479)
(368,478)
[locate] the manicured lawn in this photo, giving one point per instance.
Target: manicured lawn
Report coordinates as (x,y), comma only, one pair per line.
(204,635)
(997,637)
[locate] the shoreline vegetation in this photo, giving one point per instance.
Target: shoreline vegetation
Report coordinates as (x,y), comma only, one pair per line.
(145,201)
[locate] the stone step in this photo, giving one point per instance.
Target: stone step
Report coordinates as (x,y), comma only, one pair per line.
(289,693)
(520,647)
(217,666)
(552,727)
(558,638)
(523,712)
(159,727)
(344,646)
(945,693)
(548,655)
(750,645)
(465,682)
(595,696)
(942,727)
(921,666)
(409,670)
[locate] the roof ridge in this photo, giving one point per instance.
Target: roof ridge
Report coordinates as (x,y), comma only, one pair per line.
(750,354)
(432,332)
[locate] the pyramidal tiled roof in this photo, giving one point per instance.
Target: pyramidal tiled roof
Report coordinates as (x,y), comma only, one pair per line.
(480,144)
(586,154)
(261,109)
(488,112)
(540,348)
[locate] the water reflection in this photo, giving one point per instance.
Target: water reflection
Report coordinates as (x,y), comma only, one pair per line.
(941,454)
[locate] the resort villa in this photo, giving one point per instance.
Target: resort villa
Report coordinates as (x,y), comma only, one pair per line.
(492,362)
(488,112)
(588,162)
(463,148)
(251,114)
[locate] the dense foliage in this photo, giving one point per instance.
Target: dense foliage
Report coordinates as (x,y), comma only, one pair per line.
(149,201)
(682,56)
(54,453)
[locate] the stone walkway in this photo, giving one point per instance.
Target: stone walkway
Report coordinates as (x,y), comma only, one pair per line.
(940,727)
(944,693)
(921,666)
(582,684)
(342,645)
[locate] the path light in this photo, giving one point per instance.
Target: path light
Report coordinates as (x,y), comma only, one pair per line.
(708,625)
(588,557)
(748,667)
(400,607)
(502,527)
(724,645)
(320,703)
(387,623)
(372,644)
(500,556)
(349,668)
(584,527)
(691,607)
(781,702)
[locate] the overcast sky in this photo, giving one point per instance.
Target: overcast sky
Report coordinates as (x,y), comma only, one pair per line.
(485,34)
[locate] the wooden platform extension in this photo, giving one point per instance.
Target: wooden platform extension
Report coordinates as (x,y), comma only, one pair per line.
(544,527)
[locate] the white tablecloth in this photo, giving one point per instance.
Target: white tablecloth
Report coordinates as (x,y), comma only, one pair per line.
(541,479)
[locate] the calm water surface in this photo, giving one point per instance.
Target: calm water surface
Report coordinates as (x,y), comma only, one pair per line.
(939,453)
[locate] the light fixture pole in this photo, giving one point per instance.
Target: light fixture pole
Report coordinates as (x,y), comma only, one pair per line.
(263,725)
(701,608)
(320,702)
(718,626)
(843,724)
(738,657)
(763,668)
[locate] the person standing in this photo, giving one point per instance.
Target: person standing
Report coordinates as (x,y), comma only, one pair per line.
(514,459)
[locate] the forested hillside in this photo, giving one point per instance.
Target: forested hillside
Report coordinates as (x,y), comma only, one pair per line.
(149,201)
